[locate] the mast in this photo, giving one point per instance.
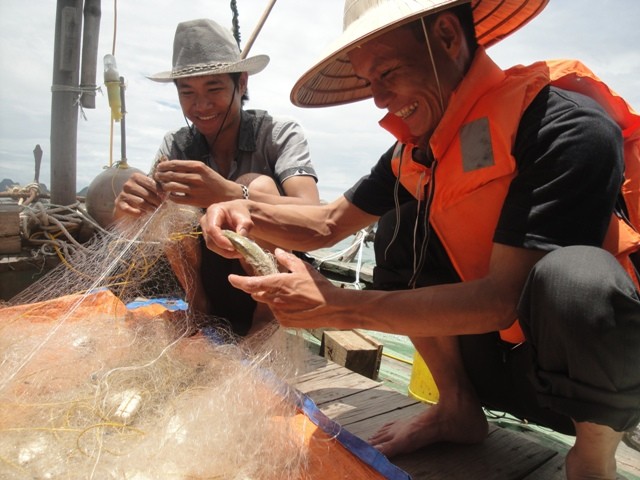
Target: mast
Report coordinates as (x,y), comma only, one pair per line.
(66,94)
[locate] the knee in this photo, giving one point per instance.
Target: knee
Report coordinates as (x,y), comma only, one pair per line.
(578,269)
(576,282)
(575,268)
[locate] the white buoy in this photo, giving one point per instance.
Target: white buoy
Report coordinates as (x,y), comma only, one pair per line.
(104,189)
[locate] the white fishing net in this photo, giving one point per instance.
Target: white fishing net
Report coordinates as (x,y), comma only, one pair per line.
(91,389)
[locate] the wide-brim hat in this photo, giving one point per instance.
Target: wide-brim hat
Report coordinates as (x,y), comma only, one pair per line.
(332,81)
(202,47)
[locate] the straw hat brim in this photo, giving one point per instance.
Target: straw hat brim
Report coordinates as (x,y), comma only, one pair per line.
(331,81)
(250,65)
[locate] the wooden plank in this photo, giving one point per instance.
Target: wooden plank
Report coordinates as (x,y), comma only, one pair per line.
(9,220)
(366,427)
(319,332)
(362,406)
(364,412)
(551,470)
(333,384)
(628,460)
(10,245)
(502,456)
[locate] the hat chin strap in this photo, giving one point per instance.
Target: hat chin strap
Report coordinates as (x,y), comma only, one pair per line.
(433,63)
(224,120)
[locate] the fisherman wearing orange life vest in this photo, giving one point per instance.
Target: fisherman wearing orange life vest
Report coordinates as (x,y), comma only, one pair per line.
(507,244)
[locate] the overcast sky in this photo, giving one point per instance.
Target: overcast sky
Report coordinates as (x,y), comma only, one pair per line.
(345,141)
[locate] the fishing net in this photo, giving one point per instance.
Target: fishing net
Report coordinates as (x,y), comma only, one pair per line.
(103,374)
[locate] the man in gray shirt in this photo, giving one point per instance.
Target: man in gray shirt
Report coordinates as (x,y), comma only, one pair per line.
(226,153)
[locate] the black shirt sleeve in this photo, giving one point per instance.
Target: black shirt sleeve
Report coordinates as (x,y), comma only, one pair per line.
(569,158)
(374,193)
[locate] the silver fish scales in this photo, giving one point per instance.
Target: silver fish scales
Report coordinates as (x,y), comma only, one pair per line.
(261,261)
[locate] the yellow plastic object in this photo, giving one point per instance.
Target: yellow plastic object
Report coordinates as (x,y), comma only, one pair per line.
(421,384)
(112,82)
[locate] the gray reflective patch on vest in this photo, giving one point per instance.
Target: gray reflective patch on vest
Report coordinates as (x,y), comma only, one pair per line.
(475,143)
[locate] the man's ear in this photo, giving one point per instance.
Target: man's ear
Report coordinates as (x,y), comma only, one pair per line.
(242,84)
(448,31)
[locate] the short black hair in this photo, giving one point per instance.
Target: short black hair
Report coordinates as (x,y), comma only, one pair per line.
(235,77)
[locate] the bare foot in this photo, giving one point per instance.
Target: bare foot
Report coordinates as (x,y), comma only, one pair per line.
(593,456)
(458,424)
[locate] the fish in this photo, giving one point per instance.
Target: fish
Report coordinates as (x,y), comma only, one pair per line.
(262,262)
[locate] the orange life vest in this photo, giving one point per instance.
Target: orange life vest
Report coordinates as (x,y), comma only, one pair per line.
(472,146)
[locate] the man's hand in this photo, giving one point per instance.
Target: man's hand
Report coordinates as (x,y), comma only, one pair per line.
(139,195)
(299,298)
(232,216)
(191,182)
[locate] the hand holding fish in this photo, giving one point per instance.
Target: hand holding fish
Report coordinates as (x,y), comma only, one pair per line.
(233,216)
(301,298)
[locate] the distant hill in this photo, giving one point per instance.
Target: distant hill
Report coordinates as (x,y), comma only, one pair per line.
(8,183)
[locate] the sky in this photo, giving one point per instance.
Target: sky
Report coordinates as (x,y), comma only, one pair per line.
(345,141)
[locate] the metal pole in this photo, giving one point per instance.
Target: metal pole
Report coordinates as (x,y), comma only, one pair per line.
(64,101)
(90,36)
(123,131)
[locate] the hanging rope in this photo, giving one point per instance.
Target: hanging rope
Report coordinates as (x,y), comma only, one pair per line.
(115,27)
(235,22)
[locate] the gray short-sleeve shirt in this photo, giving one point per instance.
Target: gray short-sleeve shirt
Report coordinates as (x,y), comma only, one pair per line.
(266,145)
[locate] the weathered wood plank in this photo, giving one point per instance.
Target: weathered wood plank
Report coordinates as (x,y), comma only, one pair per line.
(9,220)
(628,460)
(501,457)
(334,384)
(551,470)
(10,245)
(362,406)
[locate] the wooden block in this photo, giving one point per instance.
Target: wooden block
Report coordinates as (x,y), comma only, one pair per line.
(9,220)
(9,245)
(319,332)
(354,350)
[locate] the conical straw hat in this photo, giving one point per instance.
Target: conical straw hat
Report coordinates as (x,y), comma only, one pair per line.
(331,81)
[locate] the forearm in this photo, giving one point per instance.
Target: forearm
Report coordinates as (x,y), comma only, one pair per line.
(308,227)
(277,199)
(441,310)
(296,227)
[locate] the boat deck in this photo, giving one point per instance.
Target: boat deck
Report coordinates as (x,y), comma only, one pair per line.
(362,406)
